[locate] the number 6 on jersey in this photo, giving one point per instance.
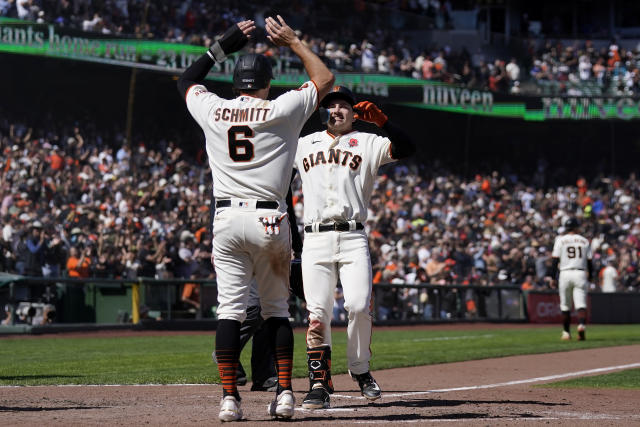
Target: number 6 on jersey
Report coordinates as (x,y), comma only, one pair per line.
(240,150)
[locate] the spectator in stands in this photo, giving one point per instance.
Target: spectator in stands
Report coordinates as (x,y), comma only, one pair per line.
(609,276)
(191,296)
(79,262)
(55,255)
(368,60)
(36,247)
(513,70)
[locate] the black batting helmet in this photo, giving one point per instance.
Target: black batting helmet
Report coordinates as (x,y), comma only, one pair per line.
(339,92)
(253,71)
(571,224)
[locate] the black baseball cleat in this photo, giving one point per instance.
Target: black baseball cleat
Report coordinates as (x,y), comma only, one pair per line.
(581,334)
(368,386)
(317,398)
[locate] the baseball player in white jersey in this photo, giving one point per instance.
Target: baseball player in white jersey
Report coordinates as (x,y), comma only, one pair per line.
(572,257)
(251,144)
(338,168)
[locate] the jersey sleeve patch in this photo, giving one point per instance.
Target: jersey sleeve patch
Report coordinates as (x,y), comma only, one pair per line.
(196,90)
(199,102)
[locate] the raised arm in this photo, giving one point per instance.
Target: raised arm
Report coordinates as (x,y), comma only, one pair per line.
(401,143)
(281,34)
(234,39)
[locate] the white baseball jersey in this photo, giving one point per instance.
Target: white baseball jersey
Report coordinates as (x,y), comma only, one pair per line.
(573,251)
(251,142)
(338,174)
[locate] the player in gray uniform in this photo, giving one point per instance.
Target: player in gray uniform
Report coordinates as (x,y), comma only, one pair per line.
(338,168)
(251,144)
(572,257)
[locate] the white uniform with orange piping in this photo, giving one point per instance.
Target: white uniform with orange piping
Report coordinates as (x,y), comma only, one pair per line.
(573,251)
(251,144)
(338,175)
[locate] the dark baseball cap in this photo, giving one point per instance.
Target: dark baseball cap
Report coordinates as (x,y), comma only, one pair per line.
(339,92)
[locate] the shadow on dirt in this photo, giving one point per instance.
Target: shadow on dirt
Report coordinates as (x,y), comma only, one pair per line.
(417,417)
(430,403)
(320,415)
(41,409)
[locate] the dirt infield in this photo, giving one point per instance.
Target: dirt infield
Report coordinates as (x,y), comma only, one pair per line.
(486,392)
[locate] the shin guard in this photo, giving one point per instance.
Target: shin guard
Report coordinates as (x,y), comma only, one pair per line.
(319,362)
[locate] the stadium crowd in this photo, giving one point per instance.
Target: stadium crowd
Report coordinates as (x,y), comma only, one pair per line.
(613,70)
(577,69)
(73,206)
(350,48)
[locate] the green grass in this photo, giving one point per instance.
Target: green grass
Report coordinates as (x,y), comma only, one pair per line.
(629,380)
(186,358)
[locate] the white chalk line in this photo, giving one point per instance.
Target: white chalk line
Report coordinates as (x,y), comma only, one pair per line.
(552,416)
(461,337)
(507,383)
(415,393)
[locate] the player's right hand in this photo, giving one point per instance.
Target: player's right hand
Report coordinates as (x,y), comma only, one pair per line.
(279,33)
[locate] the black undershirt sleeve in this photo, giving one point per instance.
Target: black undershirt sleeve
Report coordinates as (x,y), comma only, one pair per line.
(401,144)
(195,74)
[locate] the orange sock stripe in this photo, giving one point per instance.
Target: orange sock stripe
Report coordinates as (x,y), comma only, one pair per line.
(284,358)
(227,366)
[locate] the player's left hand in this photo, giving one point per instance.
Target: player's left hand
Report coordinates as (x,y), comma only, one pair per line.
(369,112)
(234,39)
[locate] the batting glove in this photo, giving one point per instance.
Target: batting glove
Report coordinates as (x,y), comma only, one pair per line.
(369,112)
(272,223)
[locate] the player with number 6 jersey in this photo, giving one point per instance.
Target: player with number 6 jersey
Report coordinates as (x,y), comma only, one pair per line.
(251,143)
(572,257)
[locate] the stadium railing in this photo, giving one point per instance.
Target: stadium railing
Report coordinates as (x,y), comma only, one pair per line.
(147,300)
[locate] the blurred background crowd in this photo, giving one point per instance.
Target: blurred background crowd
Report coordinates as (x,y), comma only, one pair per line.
(333,30)
(74,206)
